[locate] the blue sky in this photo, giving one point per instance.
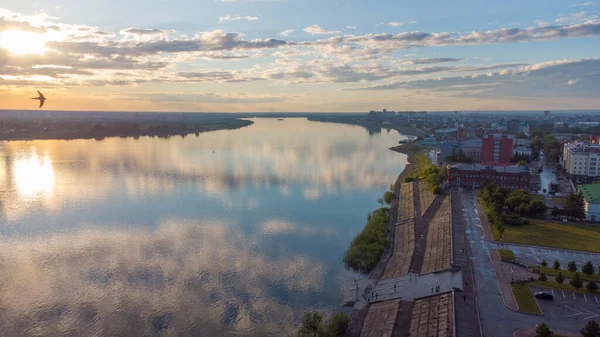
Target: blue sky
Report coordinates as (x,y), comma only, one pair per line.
(289,55)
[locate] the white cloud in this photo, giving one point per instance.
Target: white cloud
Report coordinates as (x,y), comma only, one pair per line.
(573,82)
(286,32)
(541,23)
(401,23)
(396,24)
(350,27)
(585,4)
(318,30)
(580,17)
(493,23)
(236,18)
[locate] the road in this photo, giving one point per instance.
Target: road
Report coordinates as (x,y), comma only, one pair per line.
(530,255)
(576,307)
(496,319)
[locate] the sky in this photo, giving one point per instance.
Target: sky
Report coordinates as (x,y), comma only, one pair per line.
(300,55)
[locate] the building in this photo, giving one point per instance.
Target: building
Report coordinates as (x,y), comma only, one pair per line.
(524,151)
(497,148)
(591,196)
(471,148)
(429,141)
(546,115)
(476,175)
(580,160)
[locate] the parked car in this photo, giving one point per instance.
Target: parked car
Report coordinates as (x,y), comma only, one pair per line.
(544,295)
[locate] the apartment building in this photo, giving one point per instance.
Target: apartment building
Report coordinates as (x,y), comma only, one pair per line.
(497,148)
(476,175)
(581,160)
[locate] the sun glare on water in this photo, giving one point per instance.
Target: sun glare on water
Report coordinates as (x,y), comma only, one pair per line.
(20,42)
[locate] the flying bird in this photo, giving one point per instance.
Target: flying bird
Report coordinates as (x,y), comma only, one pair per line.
(41,98)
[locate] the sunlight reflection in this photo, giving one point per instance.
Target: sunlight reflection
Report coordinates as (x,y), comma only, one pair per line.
(34,175)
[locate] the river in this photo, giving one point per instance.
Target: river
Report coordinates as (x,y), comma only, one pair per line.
(229,233)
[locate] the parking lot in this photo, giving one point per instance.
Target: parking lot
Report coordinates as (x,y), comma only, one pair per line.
(569,306)
(530,255)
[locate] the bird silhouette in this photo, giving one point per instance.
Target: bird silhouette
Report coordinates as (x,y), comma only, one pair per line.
(41,98)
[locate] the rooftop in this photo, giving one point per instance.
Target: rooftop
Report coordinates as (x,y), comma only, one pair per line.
(497,168)
(591,192)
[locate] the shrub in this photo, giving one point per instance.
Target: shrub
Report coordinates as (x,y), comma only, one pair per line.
(559,278)
(543,330)
(572,266)
(436,189)
(576,281)
(591,286)
(588,268)
(387,197)
(366,248)
(556,265)
(544,263)
(409,179)
(542,277)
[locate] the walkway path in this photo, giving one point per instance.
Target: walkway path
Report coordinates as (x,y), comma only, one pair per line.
(466,313)
(506,272)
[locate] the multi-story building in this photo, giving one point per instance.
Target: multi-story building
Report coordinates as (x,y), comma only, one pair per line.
(581,161)
(471,148)
(497,148)
(476,175)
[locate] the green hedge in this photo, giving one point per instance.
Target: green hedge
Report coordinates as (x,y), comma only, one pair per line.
(366,248)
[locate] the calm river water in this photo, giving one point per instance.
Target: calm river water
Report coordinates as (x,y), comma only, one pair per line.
(231,233)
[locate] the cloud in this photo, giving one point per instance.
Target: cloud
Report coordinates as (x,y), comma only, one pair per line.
(286,32)
(584,4)
(351,27)
(580,17)
(541,23)
(318,30)
(546,79)
(214,98)
(396,24)
(236,18)
(433,60)
(401,23)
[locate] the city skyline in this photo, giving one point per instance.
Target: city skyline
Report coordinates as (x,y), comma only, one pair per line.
(310,56)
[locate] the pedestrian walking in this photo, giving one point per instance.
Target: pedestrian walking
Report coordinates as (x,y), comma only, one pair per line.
(432,290)
(465,299)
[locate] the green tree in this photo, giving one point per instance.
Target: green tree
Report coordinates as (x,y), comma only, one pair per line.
(537,208)
(591,329)
(591,286)
(572,266)
(556,265)
(588,268)
(312,325)
(387,197)
(436,189)
(337,324)
(543,330)
(542,277)
(544,263)
(559,278)
(576,281)
(381,202)
(575,205)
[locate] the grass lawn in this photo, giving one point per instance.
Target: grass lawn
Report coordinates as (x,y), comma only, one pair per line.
(537,197)
(565,273)
(525,298)
(559,201)
(421,162)
(556,235)
(507,254)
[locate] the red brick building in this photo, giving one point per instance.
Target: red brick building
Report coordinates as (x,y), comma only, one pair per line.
(476,175)
(497,148)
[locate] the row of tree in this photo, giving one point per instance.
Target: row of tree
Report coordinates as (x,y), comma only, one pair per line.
(587,268)
(591,329)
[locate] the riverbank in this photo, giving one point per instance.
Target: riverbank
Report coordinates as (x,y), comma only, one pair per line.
(371,127)
(92,126)
(357,317)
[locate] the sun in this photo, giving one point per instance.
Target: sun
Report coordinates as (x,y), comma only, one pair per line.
(20,42)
